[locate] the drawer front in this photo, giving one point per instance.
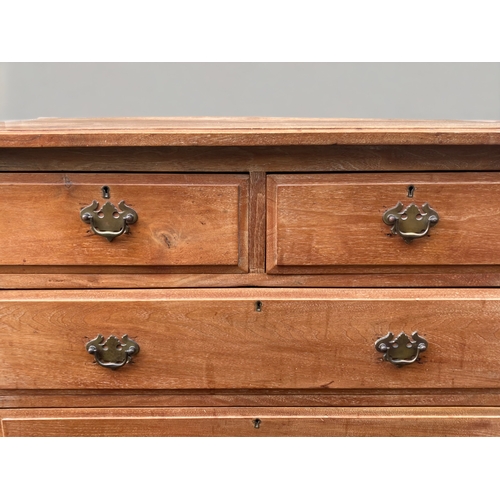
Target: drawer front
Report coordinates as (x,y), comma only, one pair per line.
(316,339)
(255,422)
(184,222)
(322,223)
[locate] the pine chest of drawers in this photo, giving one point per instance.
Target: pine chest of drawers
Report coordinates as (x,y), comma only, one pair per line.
(249,277)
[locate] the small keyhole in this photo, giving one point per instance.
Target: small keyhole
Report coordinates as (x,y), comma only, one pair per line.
(411,190)
(105,192)
(256,423)
(258,306)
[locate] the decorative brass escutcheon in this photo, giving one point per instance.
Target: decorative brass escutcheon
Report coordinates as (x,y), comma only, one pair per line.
(411,222)
(401,350)
(109,221)
(112,353)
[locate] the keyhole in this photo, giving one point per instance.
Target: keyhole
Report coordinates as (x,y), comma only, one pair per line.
(411,190)
(105,192)
(256,423)
(258,306)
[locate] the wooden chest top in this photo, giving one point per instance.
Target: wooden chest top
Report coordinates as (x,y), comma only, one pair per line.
(237,276)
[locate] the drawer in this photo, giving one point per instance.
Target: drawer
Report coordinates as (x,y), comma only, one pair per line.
(312,339)
(184,222)
(333,223)
(254,422)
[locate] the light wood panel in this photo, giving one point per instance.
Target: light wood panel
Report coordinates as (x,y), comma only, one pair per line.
(257,223)
(102,398)
(401,422)
(327,222)
(218,131)
(216,339)
(184,221)
(39,278)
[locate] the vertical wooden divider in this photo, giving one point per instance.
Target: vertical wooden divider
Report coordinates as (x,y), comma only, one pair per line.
(257,223)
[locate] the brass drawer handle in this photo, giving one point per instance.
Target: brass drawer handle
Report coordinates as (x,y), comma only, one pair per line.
(410,222)
(108,221)
(401,350)
(112,353)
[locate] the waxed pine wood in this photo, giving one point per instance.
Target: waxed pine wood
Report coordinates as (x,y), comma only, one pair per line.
(91,277)
(321,221)
(206,159)
(324,397)
(183,220)
(234,212)
(251,131)
(343,422)
(257,223)
(216,339)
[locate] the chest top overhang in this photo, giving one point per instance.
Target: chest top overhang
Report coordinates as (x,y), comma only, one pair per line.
(242,131)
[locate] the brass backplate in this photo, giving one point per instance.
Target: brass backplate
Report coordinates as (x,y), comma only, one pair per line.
(410,222)
(109,221)
(112,353)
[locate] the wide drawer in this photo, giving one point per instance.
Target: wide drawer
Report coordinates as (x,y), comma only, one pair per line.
(254,422)
(316,339)
(321,223)
(184,222)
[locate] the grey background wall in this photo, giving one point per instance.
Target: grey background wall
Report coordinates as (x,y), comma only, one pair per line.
(352,90)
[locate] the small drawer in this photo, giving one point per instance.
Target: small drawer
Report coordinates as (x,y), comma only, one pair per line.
(382,223)
(176,223)
(312,339)
(254,422)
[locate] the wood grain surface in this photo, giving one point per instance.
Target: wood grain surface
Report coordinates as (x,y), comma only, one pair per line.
(50,132)
(129,398)
(401,422)
(76,277)
(186,280)
(335,158)
(317,221)
(216,339)
(257,223)
(184,220)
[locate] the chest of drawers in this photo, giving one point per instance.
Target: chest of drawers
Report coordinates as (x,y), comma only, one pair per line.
(249,277)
